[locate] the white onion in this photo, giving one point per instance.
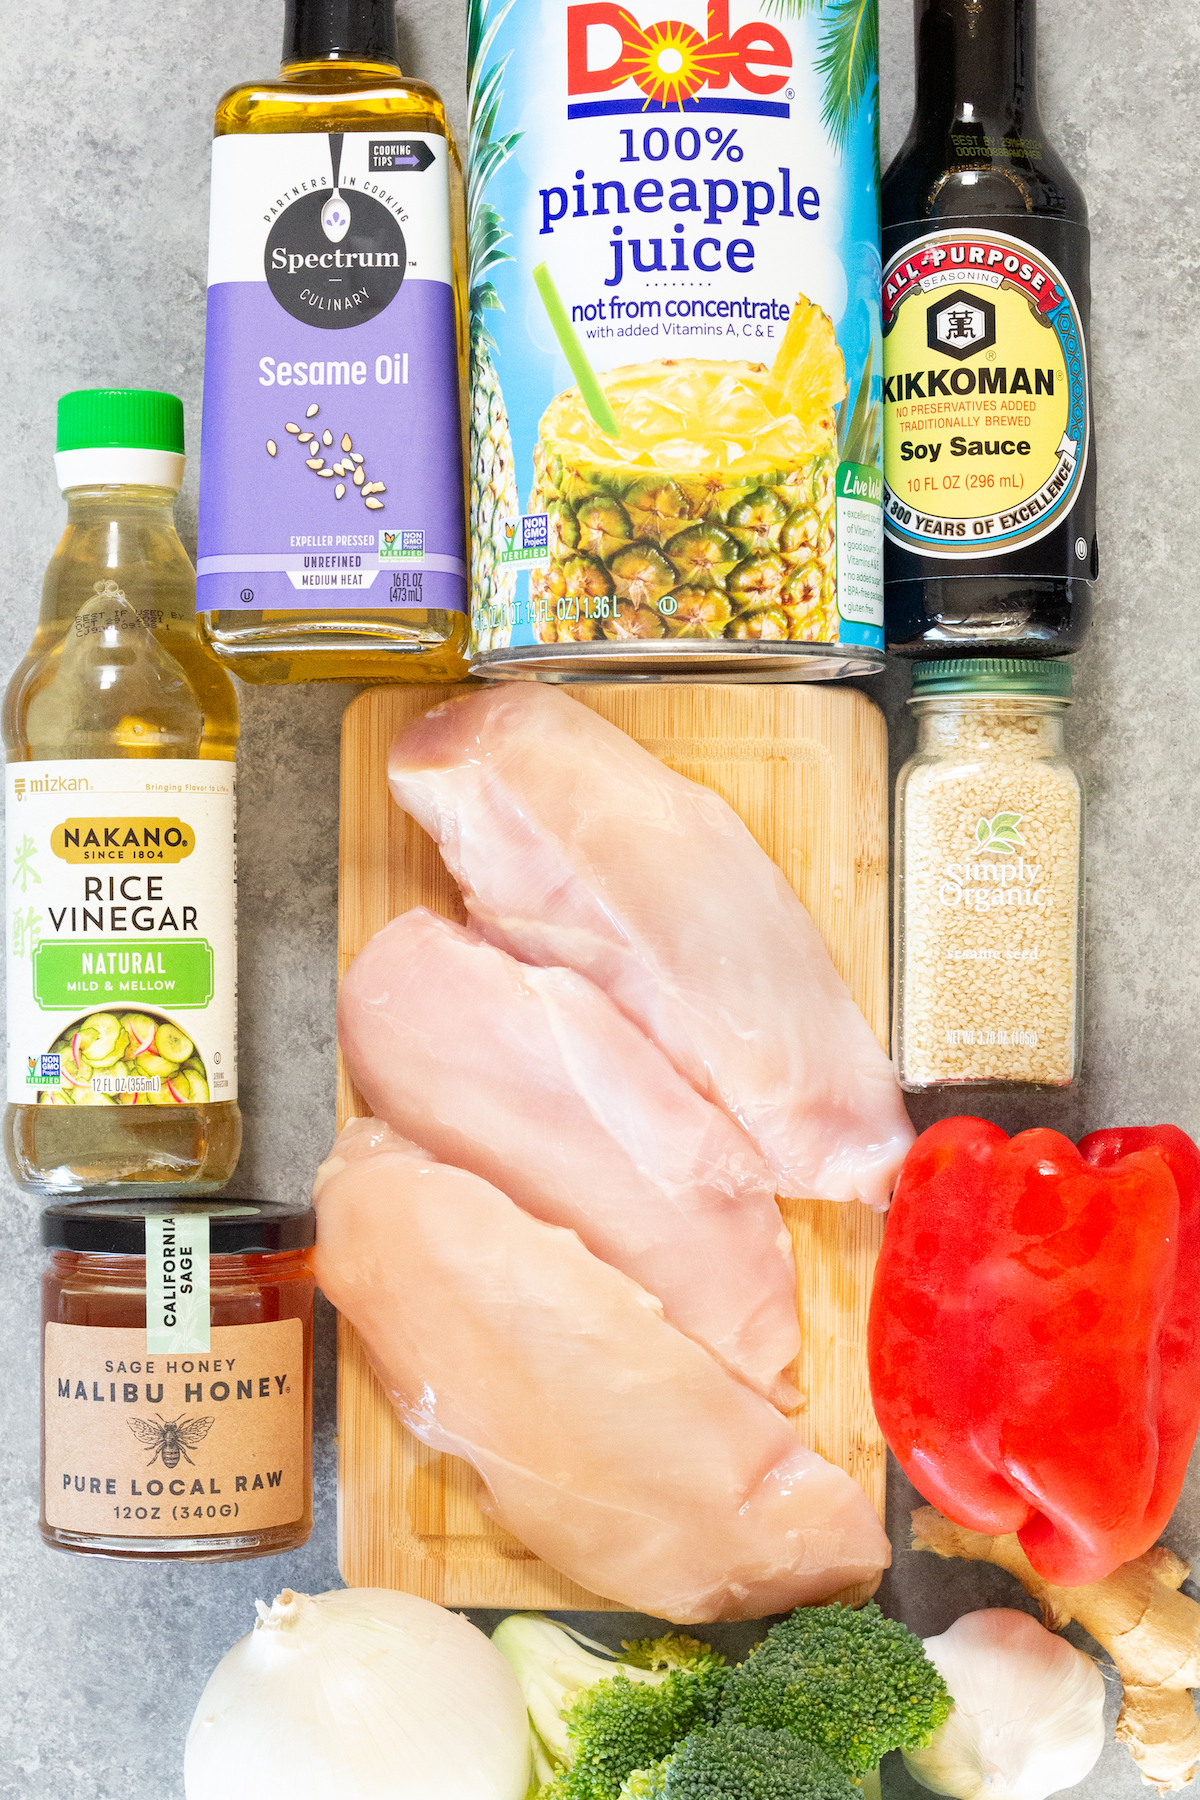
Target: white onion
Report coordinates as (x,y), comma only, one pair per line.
(359,1694)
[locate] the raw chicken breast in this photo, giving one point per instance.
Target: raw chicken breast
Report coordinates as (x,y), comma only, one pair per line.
(573,845)
(611,1445)
(532,1079)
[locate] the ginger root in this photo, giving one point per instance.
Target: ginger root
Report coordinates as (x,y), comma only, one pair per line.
(1151,1631)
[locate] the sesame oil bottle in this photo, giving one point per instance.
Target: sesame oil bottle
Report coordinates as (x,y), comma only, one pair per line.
(331,532)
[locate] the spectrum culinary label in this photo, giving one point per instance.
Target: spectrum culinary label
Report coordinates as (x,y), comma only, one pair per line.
(331,349)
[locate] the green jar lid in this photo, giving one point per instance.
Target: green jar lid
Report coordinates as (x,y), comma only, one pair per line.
(1049,676)
(120,418)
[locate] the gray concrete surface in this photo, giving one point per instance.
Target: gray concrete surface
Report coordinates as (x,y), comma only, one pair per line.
(106,119)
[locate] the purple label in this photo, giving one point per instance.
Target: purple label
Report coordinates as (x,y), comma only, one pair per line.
(371,518)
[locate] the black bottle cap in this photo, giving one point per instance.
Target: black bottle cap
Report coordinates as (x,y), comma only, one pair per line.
(236,1227)
(342,30)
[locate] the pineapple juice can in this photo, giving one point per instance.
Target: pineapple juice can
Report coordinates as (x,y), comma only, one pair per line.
(675,339)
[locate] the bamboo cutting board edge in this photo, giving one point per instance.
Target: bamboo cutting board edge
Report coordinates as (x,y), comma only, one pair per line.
(407,1517)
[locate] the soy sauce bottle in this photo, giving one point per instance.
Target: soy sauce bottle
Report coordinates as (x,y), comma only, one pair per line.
(989,502)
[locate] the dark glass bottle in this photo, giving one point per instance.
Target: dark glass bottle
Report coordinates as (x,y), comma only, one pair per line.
(990,499)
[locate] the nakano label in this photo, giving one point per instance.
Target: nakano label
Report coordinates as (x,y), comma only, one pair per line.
(985,395)
(122,840)
(122,968)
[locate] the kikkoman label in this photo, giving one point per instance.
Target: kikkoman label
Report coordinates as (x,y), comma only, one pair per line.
(985,394)
(122,971)
(148,1444)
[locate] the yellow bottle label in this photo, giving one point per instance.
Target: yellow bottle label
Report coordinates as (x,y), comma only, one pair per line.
(986,426)
(122,961)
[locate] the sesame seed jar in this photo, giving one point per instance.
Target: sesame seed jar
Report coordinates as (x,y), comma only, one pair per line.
(989,913)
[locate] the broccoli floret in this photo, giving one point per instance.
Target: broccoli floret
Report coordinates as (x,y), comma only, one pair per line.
(675,1651)
(619,1725)
(853,1683)
(645,1784)
(555,1665)
(742,1763)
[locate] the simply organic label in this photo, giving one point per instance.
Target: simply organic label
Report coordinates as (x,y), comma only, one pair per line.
(989,899)
(122,972)
(985,395)
(332,444)
(143,1444)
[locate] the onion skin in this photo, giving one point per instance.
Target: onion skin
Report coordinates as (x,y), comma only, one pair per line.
(359,1694)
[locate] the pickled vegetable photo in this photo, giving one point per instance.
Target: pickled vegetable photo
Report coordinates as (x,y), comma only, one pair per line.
(125,1059)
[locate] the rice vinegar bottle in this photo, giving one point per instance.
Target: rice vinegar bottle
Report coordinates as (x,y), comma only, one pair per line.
(121,731)
(332,532)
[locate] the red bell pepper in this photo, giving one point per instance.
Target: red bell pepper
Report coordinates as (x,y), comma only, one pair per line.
(1034,1335)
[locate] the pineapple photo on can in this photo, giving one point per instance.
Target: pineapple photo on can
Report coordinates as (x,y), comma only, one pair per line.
(712,515)
(675,339)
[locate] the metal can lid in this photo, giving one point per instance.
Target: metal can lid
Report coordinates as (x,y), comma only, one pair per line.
(1049,677)
(236,1227)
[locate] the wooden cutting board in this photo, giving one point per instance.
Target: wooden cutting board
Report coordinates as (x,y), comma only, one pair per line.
(806,768)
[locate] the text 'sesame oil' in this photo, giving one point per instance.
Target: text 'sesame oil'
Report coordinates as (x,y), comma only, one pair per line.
(675,341)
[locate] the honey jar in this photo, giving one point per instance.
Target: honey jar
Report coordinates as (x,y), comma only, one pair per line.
(177,1378)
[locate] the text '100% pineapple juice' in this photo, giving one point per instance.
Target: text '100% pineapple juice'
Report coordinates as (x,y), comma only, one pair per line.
(675,341)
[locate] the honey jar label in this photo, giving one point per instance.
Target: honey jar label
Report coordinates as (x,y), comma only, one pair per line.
(145,1445)
(178,1307)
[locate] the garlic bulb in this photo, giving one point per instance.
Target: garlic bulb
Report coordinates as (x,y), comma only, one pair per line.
(1028,1715)
(359,1694)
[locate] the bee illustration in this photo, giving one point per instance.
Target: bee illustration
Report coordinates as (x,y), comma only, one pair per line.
(170,1438)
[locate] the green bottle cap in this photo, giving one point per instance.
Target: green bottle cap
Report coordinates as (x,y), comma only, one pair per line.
(1049,677)
(120,418)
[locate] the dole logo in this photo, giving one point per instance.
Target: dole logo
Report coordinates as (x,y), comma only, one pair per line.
(670,62)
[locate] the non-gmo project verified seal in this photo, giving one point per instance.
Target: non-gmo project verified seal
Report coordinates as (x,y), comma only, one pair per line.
(528,540)
(401,546)
(44,1071)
